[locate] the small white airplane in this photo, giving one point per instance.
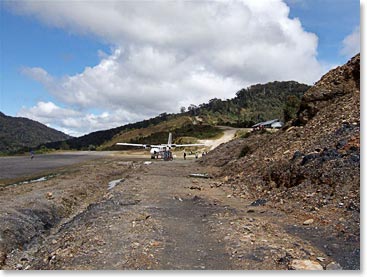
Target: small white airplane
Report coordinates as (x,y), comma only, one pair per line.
(156,149)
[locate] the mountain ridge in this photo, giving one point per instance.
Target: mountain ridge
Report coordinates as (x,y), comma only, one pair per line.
(20,133)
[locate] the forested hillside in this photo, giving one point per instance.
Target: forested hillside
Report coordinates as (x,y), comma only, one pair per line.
(22,133)
(93,140)
(254,104)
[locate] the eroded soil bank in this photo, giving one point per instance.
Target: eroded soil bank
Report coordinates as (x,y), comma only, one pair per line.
(156,217)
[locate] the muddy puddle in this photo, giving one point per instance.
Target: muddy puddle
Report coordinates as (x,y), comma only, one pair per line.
(113,183)
(31,181)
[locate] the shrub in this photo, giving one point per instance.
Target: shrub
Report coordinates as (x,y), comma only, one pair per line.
(244,151)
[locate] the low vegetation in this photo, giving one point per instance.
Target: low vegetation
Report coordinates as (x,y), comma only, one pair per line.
(244,151)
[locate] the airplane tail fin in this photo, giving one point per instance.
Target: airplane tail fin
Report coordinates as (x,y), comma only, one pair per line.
(169,139)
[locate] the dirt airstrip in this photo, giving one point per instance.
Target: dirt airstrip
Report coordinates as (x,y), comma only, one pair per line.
(154,217)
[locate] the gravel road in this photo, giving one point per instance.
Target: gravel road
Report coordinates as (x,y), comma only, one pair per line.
(228,134)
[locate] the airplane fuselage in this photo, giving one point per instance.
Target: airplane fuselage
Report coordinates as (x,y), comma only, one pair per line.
(156,150)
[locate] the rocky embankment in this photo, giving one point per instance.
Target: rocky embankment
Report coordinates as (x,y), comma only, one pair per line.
(311,168)
(29,211)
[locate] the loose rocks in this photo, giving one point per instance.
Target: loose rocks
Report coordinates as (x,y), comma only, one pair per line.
(333,266)
(305,265)
(308,222)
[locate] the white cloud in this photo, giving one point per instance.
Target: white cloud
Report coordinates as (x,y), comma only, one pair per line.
(301,3)
(172,54)
(74,122)
(46,111)
(351,44)
(38,74)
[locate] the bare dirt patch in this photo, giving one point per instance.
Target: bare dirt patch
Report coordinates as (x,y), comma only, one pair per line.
(156,218)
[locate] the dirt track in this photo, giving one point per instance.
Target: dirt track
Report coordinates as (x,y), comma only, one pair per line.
(155,218)
(228,134)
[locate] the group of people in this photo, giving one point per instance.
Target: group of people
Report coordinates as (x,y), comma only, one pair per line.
(196,154)
(167,155)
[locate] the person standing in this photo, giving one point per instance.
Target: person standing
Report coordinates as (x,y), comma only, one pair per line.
(32,154)
(184,155)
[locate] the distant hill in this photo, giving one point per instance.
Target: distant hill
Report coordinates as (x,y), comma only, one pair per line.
(257,103)
(18,133)
(153,130)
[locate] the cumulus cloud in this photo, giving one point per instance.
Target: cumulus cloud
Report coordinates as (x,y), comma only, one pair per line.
(38,74)
(73,122)
(351,44)
(172,54)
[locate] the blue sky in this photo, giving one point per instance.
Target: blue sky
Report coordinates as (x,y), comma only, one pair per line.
(81,67)
(28,42)
(331,21)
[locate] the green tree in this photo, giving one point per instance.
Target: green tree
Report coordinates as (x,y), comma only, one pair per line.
(64,146)
(291,107)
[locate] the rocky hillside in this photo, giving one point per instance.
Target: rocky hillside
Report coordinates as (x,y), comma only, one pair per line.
(19,133)
(311,168)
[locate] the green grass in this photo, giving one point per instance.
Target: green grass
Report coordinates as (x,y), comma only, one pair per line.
(189,130)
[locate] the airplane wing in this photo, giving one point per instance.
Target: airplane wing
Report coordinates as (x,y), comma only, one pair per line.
(140,145)
(133,144)
(187,145)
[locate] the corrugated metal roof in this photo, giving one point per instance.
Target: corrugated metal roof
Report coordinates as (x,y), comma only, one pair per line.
(277,125)
(269,122)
